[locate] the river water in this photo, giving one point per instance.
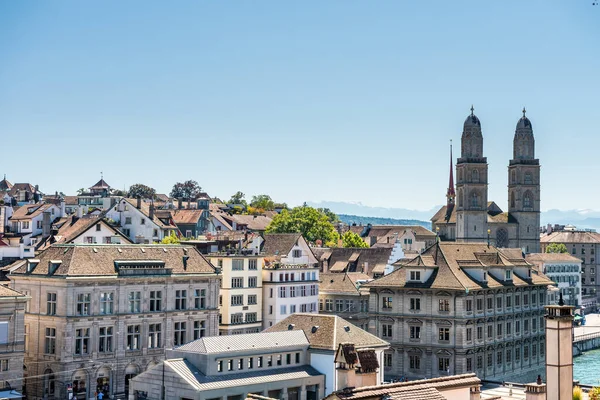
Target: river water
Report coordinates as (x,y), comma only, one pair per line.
(586,368)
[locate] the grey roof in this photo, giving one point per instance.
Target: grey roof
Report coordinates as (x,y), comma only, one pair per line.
(245,342)
(199,381)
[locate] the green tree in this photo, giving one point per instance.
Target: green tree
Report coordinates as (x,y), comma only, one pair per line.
(556,248)
(142,191)
(171,239)
(351,239)
(333,218)
(188,190)
(312,224)
(594,394)
(263,201)
(238,198)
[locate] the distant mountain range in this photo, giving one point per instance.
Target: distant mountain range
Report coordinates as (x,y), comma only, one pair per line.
(356,213)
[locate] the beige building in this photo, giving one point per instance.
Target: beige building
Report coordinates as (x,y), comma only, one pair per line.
(12,346)
(275,364)
(460,308)
(583,245)
(240,300)
(344,295)
(105,313)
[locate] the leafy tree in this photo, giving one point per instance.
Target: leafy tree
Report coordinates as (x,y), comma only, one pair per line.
(238,198)
(556,248)
(263,201)
(188,190)
(171,239)
(351,239)
(142,191)
(119,193)
(80,191)
(594,394)
(333,218)
(308,221)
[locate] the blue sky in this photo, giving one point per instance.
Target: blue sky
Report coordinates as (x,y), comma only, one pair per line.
(312,100)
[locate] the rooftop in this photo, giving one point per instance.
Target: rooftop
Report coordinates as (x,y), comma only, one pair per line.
(245,342)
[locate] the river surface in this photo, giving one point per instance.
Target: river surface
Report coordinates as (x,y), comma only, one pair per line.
(586,368)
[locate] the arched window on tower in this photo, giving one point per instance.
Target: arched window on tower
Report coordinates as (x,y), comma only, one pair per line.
(475,176)
(513,177)
(512,199)
(528,200)
(459,197)
(474,199)
(528,180)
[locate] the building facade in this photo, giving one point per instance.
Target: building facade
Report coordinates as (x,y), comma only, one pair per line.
(240,299)
(468,216)
(564,270)
(105,313)
(460,308)
(12,344)
(344,295)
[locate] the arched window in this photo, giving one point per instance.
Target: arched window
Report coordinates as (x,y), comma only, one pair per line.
(474,199)
(460,197)
(475,175)
(513,176)
(527,200)
(512,199)
(528,180)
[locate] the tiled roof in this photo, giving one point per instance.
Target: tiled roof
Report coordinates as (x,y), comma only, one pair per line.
(253,222)
(219,216)
(5,184)
(201,382)
(30,211)
(383,231)
(552,257)
(375,259)
(440,216)
(367,359)
(330,331)
(100,260)
(440,384)
(341,283)
(159,215)
(5,291)
(186,216)
(571,237)
(448,259)
(279,244)
(245,342)
(101,184)
(73,227)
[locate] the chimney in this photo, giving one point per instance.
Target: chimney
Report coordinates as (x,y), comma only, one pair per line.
(46,224)
(62,207)
(536,390)
(139,203)
(79,212)
(151,214)
(179,203)
(559,351)
(366,268)
(325,266)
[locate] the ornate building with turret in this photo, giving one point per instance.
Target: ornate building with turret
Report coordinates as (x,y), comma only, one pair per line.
(468,216)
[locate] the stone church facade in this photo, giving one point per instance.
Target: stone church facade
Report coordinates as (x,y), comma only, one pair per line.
(469,216)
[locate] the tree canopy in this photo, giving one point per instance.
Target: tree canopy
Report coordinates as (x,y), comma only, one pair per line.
(171,239)
(188,190)
(262,201)
(556,248)
(351,239)
(238,198)
(308,221)
(331,216)
(142,191)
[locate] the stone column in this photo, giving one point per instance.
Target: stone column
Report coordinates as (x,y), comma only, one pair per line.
(559,351)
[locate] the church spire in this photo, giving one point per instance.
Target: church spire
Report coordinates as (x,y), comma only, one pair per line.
(451,194)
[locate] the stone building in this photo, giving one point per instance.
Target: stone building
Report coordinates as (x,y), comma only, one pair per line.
(105,313)
(468,216)
(343,294)
(12,346)
(460,308)
(564,270)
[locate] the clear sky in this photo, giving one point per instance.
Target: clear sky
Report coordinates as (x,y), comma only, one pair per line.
(307,100)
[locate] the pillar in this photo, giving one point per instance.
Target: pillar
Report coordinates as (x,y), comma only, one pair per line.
(559,351)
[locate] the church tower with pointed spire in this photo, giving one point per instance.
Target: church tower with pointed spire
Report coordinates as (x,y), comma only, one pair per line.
(524,188)
(471,184)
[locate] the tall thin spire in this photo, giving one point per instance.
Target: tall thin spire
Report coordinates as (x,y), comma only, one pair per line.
(451,194)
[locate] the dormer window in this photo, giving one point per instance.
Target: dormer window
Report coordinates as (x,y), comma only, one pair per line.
(508,275)
(297,253)
(415,276)
(485,276)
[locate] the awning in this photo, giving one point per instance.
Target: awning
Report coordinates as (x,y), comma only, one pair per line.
(10,394)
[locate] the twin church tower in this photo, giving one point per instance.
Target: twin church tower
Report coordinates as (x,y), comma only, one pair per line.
(468,216)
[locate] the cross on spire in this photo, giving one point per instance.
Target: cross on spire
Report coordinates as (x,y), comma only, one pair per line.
(524,111)
(472,109)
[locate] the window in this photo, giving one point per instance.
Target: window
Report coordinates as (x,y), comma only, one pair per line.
(527,200)
(135,302)
(155,300)
(444,334)
(106,303)
(534,350)
(415,275)
(387,360)
(490,303)
(526,352)
(251,317)
(508,301)
(199,329)
(469,305)
(237,300)
(479,304)
(303,290)
(386,330)
(283,309)
(469,364)
(282,292)
(220,366)
(143,221)
(525,299)
(105,339)
(237,264)
(237,318)
(259,362)
(414,362)
(499,302)
(180,299)
(252,264)
(328,305)
(490,360)
(490,331)
(415,332)
(509,328)
(50,344)
(517,300)
(508,355)
(82,339)
(499,329)
(415,304)
(314,288)
(237,283)
(252,281)
(387,302)
(288,359)
(229,365)
(526,325)
(444,364)
(297,253)
(4,365)
(444,305)
(51,304)
(251,299)
(339,306)
(479,362)
(154,336)
(479,333)
(133,337)
(499,357)
(297,358)
(279,359)
(469,334)
(517,354)
(180,329)
(292,291)
(83,304)
(517,327)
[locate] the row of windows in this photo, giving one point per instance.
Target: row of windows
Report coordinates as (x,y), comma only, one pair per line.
(562,268)
(240,364)
(238,299)
(238,282)
(296,291)
(283,309)
(237,264)
(241,318)
(344,305)
(106,337)
(294,276)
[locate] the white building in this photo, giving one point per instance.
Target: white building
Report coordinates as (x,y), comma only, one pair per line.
(141,222)
(240,300)
(565,270)
(290,277)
